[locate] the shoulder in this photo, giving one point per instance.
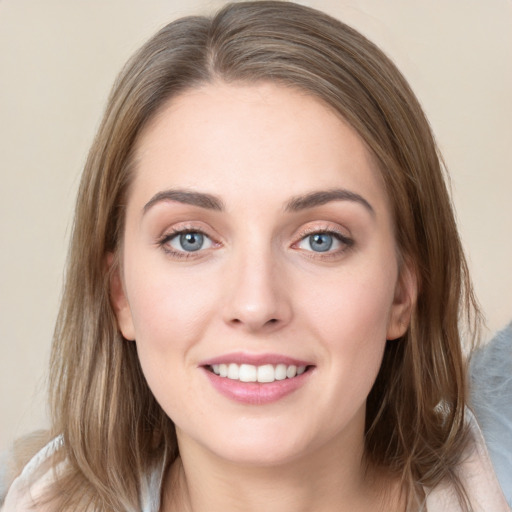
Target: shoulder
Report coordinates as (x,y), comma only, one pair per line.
(31,484)
(29,491)
(491,399)
(477,476)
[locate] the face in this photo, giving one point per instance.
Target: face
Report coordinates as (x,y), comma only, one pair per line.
(259,276)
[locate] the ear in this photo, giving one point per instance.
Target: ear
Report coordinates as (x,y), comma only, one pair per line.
(404,300)
(119,300)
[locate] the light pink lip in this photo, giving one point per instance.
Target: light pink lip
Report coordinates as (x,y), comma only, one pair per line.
(256,393)
(254,359)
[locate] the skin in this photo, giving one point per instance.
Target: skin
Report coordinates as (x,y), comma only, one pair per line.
(257,287)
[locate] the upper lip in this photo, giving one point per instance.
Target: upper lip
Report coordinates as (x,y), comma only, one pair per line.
(255,359)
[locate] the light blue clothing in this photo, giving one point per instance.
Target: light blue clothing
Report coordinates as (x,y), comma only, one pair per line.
(491,396)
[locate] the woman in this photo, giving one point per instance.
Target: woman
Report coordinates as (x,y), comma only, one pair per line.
(264,286)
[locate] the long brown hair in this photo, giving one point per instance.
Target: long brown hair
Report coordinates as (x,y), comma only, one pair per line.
(113,429)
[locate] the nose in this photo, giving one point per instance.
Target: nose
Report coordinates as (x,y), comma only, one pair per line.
(258,298)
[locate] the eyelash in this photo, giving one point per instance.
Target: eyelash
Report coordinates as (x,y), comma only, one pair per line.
(347,242)
(163,242)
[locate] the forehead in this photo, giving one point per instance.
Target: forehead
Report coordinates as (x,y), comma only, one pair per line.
(248,139)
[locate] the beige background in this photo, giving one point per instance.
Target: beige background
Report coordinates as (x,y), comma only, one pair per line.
(58,60)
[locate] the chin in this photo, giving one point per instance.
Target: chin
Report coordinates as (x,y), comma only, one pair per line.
(254,443)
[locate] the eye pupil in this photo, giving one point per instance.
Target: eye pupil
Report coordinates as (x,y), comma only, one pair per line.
(320,242)
(191,241)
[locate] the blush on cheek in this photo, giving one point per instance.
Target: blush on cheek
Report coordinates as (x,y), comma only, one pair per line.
(160,306)
(357,311)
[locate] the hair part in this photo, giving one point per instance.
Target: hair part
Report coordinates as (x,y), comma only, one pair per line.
(100,401)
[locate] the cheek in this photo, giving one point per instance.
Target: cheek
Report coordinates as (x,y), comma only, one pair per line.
(170,315)
(170,312)
(351,315)
(355,306)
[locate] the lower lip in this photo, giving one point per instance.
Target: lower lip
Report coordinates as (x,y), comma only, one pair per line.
(256,393)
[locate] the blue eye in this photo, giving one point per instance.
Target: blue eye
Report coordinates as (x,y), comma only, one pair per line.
(190,241)
(320,242)
(331,242)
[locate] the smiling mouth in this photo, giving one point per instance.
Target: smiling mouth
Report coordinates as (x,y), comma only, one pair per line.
(263,374)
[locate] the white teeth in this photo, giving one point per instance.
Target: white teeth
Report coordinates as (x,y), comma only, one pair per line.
(248,373)
(223,370)
(291,371)
(280,372)
(233,371)
(266,373)
(251,373)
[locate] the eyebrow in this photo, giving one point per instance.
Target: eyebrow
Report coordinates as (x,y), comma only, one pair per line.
(322,197)
(200,199)
(296,204)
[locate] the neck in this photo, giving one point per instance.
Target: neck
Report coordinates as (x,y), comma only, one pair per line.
(323,481)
